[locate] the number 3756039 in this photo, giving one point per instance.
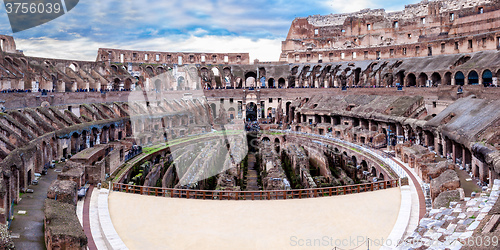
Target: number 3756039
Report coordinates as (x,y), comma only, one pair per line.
(33,8)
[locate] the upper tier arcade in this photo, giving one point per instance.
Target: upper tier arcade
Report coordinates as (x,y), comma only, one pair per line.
(424,29)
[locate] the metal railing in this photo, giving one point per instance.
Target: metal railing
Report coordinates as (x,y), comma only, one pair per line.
(393,165)
(255,195)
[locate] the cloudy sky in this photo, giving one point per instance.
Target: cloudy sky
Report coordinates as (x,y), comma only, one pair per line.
(257,26)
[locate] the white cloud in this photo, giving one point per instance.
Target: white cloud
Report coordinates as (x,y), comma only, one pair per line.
(86,49)
(341,6)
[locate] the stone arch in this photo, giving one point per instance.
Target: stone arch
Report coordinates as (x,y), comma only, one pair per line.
(160,70)
(74,66)
(270,83)
(250,79)
(400,78)
(150,71)
(436,79)
(231,112)
(217,76)
(364,165)
(373,171)
(75,138)
(128,84)
(487,77)
(281,83)
(354,160)
(277,144)
(422,79)
(447,78)
(357,76)
(459,78)
(381,177)
(388,79)
(251,111)
(158,85)
(114,69)
(181,83)
(411,80)
(472,78)
(116,83)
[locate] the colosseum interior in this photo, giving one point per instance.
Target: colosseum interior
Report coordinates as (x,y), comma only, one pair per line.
(385,123)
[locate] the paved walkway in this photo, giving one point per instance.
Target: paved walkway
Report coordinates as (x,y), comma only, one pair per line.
(420,192)
(86,221)
(27,229)
(252,174)
(167,223)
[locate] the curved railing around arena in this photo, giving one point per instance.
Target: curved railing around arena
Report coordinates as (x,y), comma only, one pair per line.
(255,195)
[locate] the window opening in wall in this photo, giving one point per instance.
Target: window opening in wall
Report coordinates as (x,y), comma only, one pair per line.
(238,58)
(343,31)
(417,50)
(214,58)
(366,54)
(330,56)
(422,20)
(203,58)
(480,10)
(226,59)
(443,46)
(429,51)
(122,58)
(409,36)
(231,100)
(391,51)
(484,41)
(498,42)
(404,51)
(297,58)
(369,27)
(378,55)
(169,58)
(396,24)
(452,16)
(456,45)
(470,44)
(316,32)
(353,55)
(308,57)
(270,100)
(342,55)
(134,56)
(157,57)
(146,57)
(179,60)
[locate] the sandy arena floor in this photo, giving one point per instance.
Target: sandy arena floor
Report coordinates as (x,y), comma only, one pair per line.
(146,222)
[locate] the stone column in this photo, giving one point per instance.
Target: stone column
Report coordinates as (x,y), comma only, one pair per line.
(88,140)
(406,134)
(454,149)
(98,140)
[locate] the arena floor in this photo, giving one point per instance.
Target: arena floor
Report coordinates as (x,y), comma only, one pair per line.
(146,222)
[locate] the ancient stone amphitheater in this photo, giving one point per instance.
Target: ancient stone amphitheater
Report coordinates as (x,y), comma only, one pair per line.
(385,125)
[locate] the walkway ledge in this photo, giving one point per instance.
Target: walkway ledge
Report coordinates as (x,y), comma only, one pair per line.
(111,237)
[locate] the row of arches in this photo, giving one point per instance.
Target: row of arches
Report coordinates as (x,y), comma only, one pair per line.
(458,78)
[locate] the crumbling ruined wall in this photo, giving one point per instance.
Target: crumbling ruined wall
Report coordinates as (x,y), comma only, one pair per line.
(62,228)
(445,182)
